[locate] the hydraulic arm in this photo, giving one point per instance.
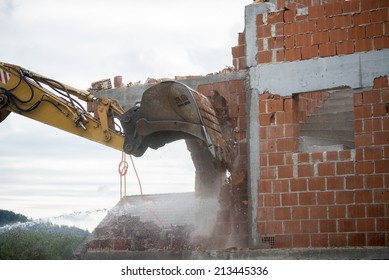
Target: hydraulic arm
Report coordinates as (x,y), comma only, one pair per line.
(51,102)
(168,111)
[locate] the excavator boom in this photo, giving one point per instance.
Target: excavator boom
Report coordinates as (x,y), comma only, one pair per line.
(168,111)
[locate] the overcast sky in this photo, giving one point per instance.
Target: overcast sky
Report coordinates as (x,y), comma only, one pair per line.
(46,172)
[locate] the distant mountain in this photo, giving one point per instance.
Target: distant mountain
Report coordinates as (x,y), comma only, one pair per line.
(9,217)
(24,239)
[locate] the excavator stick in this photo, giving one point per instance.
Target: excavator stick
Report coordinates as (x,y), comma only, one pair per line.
(170,111)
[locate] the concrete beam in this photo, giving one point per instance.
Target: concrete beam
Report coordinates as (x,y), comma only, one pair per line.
(355,70)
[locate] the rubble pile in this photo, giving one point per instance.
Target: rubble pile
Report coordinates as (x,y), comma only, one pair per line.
(128,232)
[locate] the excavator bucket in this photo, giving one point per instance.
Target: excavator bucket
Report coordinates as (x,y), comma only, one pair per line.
(170,111)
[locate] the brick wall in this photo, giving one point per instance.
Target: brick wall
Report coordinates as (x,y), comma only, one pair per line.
(324,199)
(308,30)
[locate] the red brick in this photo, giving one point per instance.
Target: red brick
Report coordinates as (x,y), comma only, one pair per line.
(345,155)
(307,198)
(325,24)
(345,47)
(298,185)
(303,157)
(382,166)
(275,42)
(371,96)
(343,21)
(363,45)
(343,168)
(265,213)
(285,171)
(333,9)
(271,200)
(319,240)
(374,30)
(299,213)
(337,240)
(364,167)
(276,159)
(293,54)
(309,226)
(317,156)
(287,144)
(265,119)
(381,82)
(357,239)
(264,57)
(275,132)
(281,186)
(375,210)
(372,125)
(289,42)
(267,146)
(363,140)
(309,52)
(369,5)
(274,105)
(358,126)
(259,20)
(316,184)
(363,196)
(328,49)
(264,186)
(291,29)
(350,6)
(326,169)
(301,40)
(382,224)
(268,172)
(325,198)
(357,99)
(362,112)
(381,196)
(346,225)
(320,37)
(356,211)
(380,110)
(316,12)
(336,212)
(374,181)
(335,183)
(381,43)
(375,239)
(273,227)
(361,18)
(292,226)
(289,16)
(380,15)
(238,51)
(354,182)
(327,225)
(338,35)
(365,225)
(289,199)
(301,240)
(283,241)
(318,212)
(282,213)
(356,32)
(344,197)
(305,170)
(264,31)
(275,17)
(306,26)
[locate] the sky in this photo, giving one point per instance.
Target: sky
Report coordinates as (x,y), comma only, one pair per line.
(48,173)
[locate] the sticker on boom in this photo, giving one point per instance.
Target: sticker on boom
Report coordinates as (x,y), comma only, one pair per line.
(4,76)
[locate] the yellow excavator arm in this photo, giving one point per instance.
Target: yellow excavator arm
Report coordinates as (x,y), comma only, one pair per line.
(51,102)
(168,111)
